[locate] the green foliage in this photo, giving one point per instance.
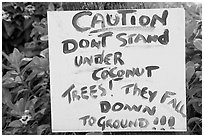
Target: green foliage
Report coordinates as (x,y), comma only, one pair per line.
(25,95)
(25,63)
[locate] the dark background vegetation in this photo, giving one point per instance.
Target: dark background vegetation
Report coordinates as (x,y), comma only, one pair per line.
(25,63)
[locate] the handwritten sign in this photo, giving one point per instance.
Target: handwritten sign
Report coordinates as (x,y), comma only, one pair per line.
(117,70)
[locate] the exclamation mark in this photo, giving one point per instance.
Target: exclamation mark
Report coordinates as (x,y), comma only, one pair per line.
(111,84)
(133,20)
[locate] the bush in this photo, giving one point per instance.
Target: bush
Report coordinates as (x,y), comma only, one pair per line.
(25,63)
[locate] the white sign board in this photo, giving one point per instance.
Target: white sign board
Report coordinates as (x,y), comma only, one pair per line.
(117,70)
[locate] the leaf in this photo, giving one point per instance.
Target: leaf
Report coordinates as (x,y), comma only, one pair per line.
(44,38)
(8,27)
(190,51)
(24,61)
(42,111)
(32,75)
(194,119)
(20,104)
(6,4)
(30,105)
(8,83)
(18,79)
(30,45)
(190,27)
(198,107)
(34,100)
(60,9)
(27,59)
(39,63)
(196,58)
(16,123)
(40,29)
(15,58)
(192,10)
(16,113)
(3,122)
(6,96)
(51,7)
(27,23)
(189,64)
(189,73)
(199,74)
(194,100)
(198,44)
(33,32)
(8,79)
(41,128)
(44,21)
(45,53)
(18,92)
(193,91)
(34,63)
(5,55)
(36,60)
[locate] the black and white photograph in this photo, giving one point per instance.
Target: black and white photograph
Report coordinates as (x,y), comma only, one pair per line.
(101,68)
